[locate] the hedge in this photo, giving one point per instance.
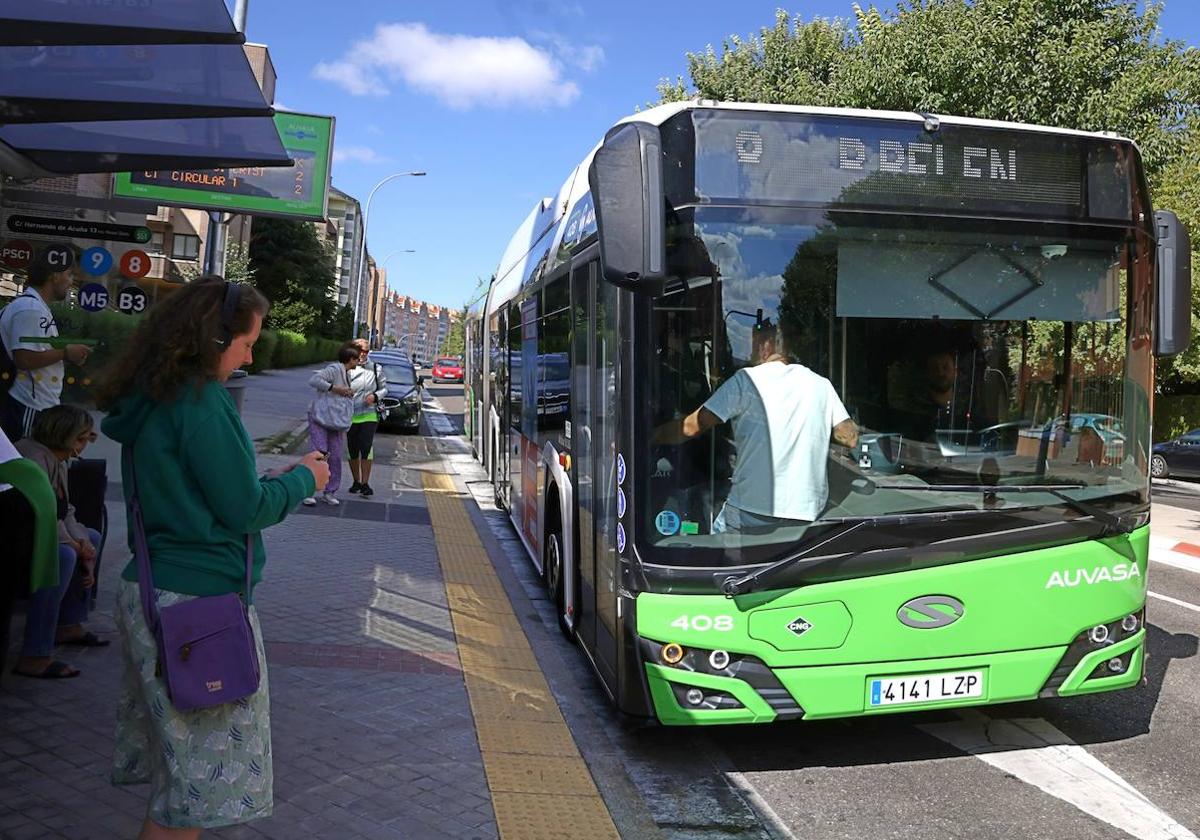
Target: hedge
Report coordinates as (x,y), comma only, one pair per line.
(275,349)
(1175,415)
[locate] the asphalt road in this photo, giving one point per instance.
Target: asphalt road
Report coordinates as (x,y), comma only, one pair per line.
(1104,766)
(451,398)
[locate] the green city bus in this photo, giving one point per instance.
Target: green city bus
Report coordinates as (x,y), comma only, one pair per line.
(987,301)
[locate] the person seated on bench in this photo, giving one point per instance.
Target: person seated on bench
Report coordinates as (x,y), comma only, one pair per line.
(56,614)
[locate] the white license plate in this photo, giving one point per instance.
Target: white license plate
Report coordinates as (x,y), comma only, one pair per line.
(925,688)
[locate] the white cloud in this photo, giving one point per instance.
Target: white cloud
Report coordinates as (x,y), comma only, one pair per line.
(585,57)
(357,154)
(461,70)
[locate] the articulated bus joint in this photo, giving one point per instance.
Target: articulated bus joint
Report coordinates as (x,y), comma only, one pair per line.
(1100,658)
(706,694)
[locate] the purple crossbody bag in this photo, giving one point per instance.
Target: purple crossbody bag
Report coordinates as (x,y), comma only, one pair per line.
(206,650)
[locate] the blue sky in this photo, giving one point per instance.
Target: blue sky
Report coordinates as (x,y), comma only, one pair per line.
(497,101)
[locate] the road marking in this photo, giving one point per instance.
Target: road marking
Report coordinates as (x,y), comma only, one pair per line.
(1178,561)
(1174,601)
(1037,753)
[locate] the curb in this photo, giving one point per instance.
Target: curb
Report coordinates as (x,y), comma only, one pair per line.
(284,442)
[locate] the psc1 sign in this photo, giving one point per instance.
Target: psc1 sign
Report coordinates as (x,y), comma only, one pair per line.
(16,253)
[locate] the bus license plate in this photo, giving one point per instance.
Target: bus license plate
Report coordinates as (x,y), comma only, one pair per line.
(926,688)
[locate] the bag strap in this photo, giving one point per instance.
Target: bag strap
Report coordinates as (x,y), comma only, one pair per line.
(141,549)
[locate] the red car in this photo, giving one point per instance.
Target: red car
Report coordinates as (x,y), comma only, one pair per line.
(447,369)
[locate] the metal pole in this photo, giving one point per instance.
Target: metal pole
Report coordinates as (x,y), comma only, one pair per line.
(239,15)
(214,245)
(362,259)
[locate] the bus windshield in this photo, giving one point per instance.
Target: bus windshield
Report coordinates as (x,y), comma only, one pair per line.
(966,356)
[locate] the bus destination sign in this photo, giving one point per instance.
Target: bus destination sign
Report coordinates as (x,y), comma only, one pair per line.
(854,162)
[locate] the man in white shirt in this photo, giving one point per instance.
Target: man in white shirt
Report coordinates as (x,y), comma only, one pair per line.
(39,376)
(783,416)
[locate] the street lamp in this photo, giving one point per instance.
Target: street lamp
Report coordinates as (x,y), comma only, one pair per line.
(383,262)
(362,254)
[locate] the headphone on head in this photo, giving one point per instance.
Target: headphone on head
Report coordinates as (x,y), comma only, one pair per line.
(229,307)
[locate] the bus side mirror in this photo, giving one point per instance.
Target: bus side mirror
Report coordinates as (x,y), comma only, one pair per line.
(1173,330)
(626,180)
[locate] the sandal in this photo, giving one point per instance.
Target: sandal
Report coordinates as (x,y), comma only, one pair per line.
(87,640)
(54,671)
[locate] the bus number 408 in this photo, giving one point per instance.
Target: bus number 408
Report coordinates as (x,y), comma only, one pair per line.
(704,623)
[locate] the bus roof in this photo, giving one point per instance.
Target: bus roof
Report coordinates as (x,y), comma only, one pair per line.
(661,113)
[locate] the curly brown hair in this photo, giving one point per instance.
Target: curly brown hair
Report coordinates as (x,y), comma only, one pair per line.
(178,342)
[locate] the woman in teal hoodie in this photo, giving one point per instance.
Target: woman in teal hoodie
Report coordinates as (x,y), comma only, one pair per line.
(200,496)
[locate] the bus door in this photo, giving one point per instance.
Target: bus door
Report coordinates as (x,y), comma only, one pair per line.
(498,435)
(593,416)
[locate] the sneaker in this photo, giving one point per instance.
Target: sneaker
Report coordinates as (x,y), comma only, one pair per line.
(330,499)
(356,487)
(366,490)
(309,502)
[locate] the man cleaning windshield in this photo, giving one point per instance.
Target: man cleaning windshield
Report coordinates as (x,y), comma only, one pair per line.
(783,415)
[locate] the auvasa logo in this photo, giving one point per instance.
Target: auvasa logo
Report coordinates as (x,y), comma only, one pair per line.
(1070,578)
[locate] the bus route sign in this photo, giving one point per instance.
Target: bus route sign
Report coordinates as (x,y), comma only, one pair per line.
(299,192)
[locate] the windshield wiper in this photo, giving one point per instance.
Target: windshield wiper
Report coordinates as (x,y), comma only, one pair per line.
(1111,521)
(748,583)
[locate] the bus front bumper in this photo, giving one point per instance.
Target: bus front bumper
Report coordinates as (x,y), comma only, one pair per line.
(687,697)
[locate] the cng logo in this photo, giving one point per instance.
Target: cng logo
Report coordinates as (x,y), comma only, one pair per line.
(800,626)
(930,612)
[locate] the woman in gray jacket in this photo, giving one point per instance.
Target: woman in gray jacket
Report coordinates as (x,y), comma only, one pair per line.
(329,417)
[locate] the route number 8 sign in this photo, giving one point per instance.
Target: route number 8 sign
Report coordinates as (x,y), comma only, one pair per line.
(135,264)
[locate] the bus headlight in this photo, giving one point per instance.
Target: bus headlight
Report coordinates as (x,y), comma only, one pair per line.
(695,696)
(1130,623)
(719,660)
(1099,634)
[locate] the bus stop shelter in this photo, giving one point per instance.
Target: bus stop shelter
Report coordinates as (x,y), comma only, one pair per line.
(112,88)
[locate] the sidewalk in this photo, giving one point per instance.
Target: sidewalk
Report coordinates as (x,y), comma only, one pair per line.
(374,729)
(1173,526)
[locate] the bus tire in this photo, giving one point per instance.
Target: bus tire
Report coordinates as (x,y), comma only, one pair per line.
(552,565)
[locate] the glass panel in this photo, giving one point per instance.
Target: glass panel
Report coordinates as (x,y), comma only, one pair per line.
(401,375)
(121,145)
(80,83)
(201,15)
(799,321)
(949,275)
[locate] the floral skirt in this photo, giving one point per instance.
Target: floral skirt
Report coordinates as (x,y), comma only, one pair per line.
(206,768)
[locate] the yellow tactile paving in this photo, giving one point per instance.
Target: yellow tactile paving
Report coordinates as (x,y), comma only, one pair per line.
(513,773)
(512,701)
(545,817)
(525,737)
(481,658)
(539,782)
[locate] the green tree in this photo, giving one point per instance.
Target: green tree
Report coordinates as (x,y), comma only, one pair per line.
(456,336)
(296,271)
(1094,65)
(237,265)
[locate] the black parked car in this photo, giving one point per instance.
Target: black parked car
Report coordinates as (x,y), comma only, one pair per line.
(403,402)
(1178,457)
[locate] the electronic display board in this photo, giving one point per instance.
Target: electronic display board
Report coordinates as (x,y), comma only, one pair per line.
(300,191)
(857,162)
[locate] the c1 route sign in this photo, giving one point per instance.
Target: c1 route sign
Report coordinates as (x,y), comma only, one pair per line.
(298,192)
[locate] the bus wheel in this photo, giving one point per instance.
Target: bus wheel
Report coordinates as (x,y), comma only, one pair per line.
(554,578)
